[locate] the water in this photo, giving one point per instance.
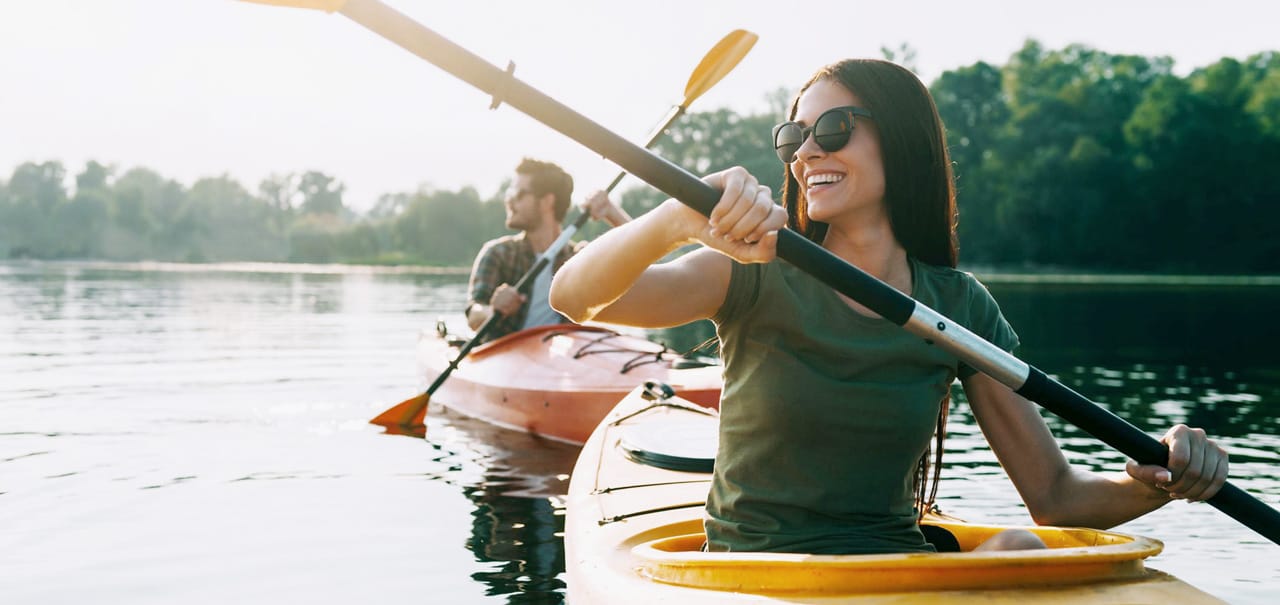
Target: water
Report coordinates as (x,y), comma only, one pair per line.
(194,434)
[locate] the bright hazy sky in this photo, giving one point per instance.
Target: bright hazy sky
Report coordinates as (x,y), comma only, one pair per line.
(194,88)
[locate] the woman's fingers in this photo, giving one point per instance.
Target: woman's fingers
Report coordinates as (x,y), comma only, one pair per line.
(1206,471)
(1186,457)
(1197,466)
(736,185)
(744,206)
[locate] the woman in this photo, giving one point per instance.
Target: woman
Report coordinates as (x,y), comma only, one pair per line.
(828,409)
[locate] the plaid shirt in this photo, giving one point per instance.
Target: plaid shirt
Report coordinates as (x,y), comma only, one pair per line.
(504,261)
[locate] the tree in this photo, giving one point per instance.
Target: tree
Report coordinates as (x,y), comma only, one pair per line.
(1202,163)
(975,111)
(36,192)
(321,194)
(85,216)
(1067,196)
(229,224)
(145,209)
(447,227)
(708,141)
(281,195)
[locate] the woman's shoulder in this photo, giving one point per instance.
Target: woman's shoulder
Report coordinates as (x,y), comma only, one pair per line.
(949,283)
(943,275)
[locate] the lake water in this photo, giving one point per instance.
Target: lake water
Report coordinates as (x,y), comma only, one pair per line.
(197,434)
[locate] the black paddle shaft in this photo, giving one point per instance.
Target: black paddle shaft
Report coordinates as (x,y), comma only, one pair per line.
(799,251)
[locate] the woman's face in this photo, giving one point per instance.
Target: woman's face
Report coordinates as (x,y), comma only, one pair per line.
(846,183)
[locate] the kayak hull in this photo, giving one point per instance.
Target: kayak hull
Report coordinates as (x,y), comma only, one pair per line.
(556,381)
(633,535)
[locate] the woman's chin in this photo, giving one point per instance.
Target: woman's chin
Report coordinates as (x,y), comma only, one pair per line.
(820,212)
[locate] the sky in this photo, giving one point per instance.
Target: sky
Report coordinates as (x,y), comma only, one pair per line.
(198,88)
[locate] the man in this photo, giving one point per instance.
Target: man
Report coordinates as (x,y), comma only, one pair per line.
(536,206)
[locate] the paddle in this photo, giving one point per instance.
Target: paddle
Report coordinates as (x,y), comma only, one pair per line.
(792,247)
(407,416)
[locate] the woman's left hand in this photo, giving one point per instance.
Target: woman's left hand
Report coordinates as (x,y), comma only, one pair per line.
(1197,466)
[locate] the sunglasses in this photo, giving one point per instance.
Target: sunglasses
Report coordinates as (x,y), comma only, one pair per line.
(521,192)
(831,131)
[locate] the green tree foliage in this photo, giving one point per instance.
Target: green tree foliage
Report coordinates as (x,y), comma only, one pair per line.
(704,142)
(36,196)
(972,103)
(321,194)
(1073,158)
(1202,167)
(1083,159)
(446,227)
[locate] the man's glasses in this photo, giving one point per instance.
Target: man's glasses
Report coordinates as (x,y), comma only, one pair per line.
(831,131)
(519,193)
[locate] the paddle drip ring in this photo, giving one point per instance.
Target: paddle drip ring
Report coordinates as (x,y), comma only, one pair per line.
(501,91)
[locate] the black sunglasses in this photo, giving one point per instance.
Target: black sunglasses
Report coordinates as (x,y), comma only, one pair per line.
(831,131)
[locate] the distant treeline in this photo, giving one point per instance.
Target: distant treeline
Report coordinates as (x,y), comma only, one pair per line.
(1071,158)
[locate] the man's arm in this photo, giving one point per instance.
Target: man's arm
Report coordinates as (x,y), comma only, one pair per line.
(486,277)
(603,208)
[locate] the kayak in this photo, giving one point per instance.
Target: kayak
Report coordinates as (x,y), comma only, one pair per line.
(633,534)
(558,381)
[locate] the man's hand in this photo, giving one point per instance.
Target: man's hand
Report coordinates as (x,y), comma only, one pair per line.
(602,208)
(506,300)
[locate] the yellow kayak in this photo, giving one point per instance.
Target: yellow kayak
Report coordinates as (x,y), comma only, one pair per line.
(634,531)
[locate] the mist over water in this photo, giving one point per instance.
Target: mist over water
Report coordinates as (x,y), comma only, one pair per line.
(197,434)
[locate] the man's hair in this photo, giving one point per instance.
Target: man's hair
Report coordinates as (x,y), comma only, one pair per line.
(545,178)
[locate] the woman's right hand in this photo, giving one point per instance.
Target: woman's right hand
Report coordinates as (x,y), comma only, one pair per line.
(744,224)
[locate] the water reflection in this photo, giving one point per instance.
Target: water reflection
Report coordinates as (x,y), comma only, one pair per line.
(516,482)
(1116,325)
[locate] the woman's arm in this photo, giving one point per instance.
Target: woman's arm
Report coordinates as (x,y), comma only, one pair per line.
(1057,494)
(615,280)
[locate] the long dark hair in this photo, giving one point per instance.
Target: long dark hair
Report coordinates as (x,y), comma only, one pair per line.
(919,191)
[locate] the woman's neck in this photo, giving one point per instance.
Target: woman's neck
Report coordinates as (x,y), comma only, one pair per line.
(872,248)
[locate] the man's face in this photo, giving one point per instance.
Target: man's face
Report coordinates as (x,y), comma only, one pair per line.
(523,212)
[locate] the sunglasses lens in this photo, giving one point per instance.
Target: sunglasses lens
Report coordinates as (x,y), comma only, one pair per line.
(832,130)
(787,138)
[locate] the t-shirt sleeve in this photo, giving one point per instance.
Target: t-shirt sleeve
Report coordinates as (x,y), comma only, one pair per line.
(986,320)
(744,289)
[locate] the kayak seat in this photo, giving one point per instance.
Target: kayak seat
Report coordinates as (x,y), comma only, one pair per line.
(941,539)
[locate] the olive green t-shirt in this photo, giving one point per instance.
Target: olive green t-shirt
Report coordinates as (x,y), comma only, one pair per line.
(825,412)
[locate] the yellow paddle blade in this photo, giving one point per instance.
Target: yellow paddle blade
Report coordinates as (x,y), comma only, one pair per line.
(327,6)
(720,60)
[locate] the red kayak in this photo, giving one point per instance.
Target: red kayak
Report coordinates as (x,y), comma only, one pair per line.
(559,381)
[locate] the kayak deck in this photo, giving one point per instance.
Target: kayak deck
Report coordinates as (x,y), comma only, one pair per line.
(634,535)
(557,381)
